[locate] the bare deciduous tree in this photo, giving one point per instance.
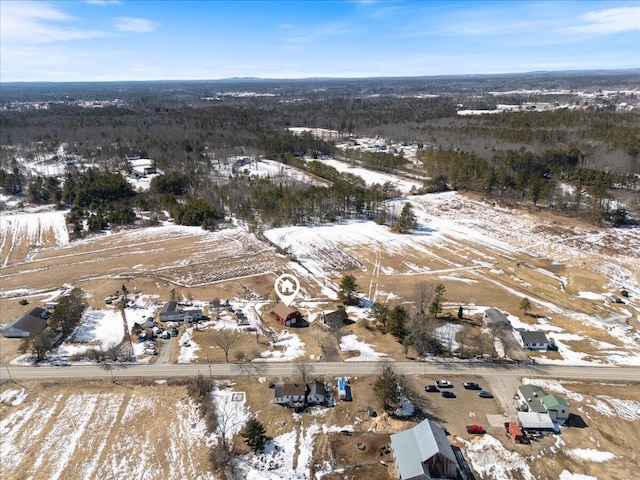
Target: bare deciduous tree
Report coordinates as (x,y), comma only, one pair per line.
(304,368)
(423,295)
(226,339)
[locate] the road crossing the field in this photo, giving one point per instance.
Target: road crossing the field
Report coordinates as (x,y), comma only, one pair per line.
(288,369)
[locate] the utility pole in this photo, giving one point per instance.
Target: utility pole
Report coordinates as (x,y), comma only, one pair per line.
(7,367)
(127,343)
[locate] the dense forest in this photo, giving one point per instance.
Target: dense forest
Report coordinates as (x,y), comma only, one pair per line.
(517,157)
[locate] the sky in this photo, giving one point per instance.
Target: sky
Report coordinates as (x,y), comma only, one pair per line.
(112,40)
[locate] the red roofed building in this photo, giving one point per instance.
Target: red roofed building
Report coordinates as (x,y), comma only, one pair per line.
(287,316)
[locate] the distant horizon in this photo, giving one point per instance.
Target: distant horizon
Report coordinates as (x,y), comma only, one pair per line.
(152,40)
(399,77)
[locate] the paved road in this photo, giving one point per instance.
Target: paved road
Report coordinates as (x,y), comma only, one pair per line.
(284,369)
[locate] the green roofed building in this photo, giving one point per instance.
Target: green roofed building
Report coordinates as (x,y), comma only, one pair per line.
(557,407)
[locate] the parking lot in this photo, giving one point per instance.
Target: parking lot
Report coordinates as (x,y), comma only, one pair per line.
(467,408)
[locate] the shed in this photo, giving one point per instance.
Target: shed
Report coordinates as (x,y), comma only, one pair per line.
(288,316)
(423,452)
(29,323)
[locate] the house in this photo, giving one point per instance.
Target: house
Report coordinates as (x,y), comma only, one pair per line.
(317,393)
(533,340)
(557,407)
(288,316)
(170,312)
(290,394)
(192,315)
(30,323)
(423,453)
(337,318)
(494,316)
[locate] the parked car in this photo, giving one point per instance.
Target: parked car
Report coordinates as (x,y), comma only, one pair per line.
(485,394)
(471,386)
(174,332)
(150,351)
(444,384)
(431,388)
(448,394)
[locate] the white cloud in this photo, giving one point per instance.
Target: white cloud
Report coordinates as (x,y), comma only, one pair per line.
(38,23)
(611,20)
(132,24)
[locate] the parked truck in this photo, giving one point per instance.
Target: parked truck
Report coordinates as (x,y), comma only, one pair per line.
(476,429)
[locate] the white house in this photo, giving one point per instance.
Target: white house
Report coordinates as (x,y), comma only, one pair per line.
(290,393)
(533,340)
(317,393)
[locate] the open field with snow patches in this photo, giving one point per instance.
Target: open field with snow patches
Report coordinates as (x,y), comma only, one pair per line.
(484,254)
(147,429)
(98,430)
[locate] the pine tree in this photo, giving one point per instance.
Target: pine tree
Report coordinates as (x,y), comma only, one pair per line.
(525,305)
(348,290)
(253,434)
(436,304)
(407,220)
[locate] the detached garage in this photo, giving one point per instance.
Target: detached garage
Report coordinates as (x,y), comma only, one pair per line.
(34,321)
(288,316)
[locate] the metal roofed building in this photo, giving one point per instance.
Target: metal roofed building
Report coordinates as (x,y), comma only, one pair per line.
(529,399)
(557,407)
(33,321)
(423,453)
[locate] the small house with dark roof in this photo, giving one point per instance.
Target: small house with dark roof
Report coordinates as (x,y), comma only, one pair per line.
(424,453)
(533,340)
(336,319)
(287,316)
(30,323)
